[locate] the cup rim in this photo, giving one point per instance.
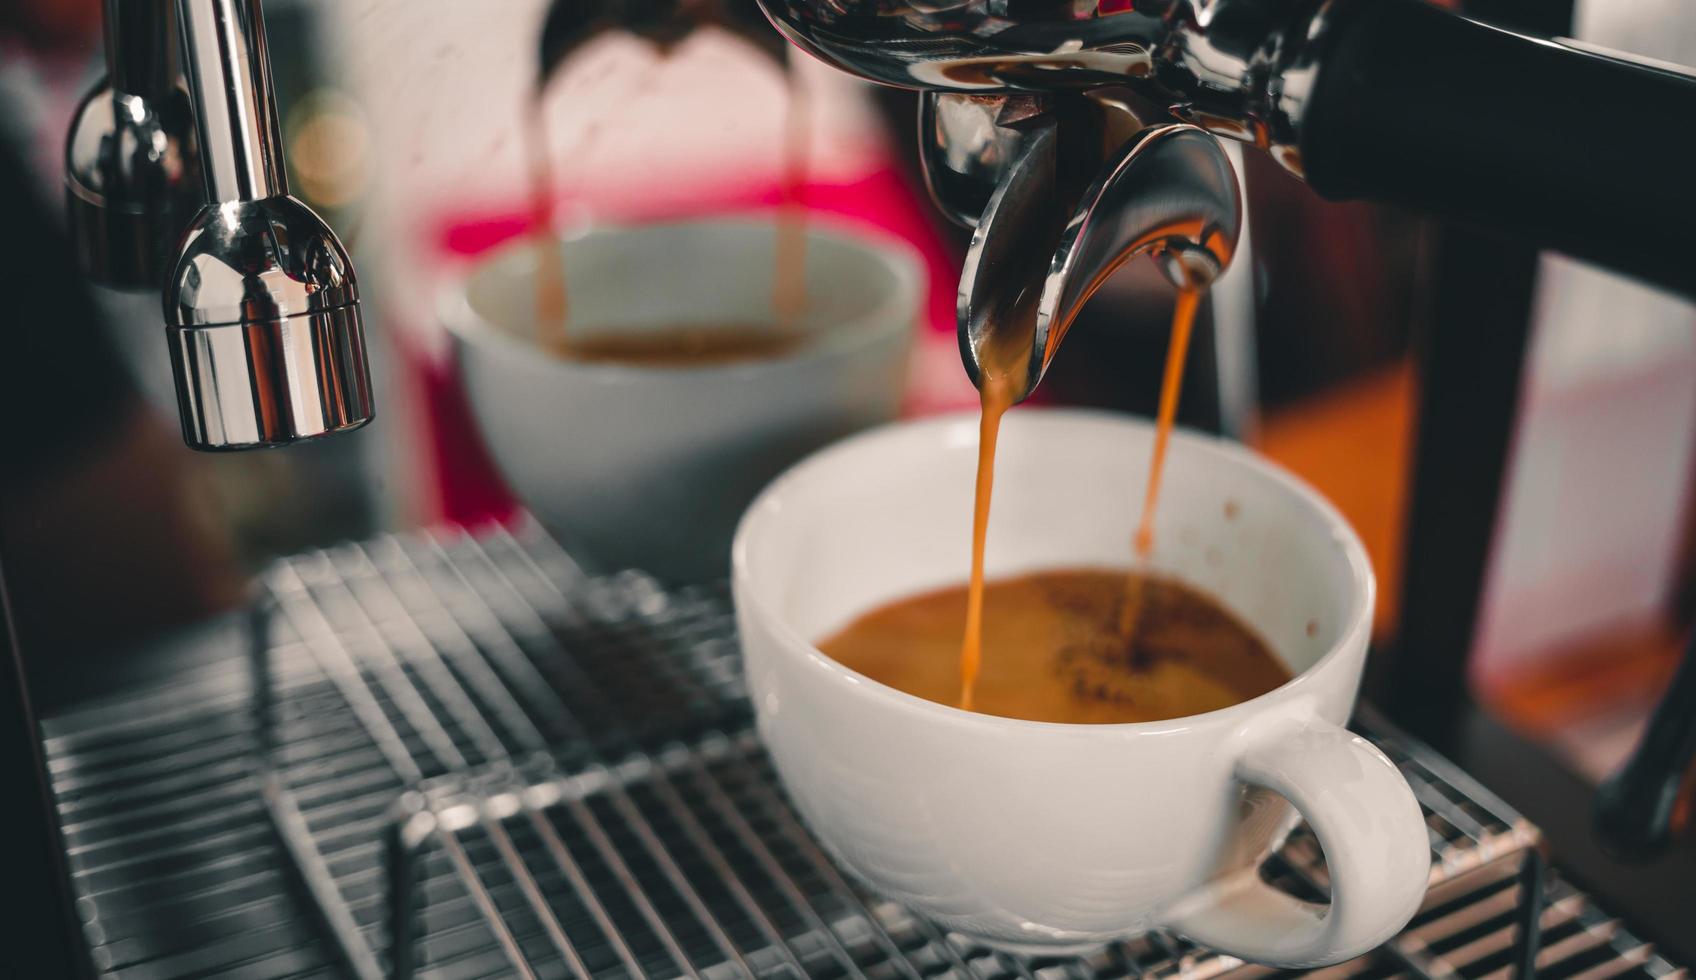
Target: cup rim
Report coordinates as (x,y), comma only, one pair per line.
(898,309)
(1363,581)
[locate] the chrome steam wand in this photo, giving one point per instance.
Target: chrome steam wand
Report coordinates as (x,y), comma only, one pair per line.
(261,302)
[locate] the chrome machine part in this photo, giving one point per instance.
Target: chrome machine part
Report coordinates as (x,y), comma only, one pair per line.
(1220,64)
(1392,100)
(132,180)
(1031,130)
(265,328)
(260,300)
(262,308)
(969,143)
(1168,192)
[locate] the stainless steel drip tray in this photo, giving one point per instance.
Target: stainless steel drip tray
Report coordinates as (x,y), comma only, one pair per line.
(451,755)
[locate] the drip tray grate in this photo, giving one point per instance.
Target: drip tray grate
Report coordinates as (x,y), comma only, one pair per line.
(688,861)
(473,760)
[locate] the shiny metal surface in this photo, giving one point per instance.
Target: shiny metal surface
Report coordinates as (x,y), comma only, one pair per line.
(258,385)
(1291,88)
(251,261)
(229,72)
(1034,130)
(264,324)
(261,304)
(132,177)
(968,143)
(1216,63)
(1045,244)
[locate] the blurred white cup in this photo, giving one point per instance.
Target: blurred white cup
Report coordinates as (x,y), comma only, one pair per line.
(650,466)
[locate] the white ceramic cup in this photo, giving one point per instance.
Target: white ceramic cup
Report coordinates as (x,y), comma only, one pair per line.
(1038,836)
(650,467)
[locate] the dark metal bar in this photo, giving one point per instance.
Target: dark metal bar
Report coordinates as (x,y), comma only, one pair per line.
(39,936)
(388,668)
(752,781)
(296,838)
(621,870)
(402,845)
(257,624)
(289,824)
(573,872)
(627,807)
(1470,367)
(1634,808)
(1528,933)
(422,655)
(339,665)
(1471,359)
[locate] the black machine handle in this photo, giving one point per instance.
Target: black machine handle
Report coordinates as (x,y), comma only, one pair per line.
(1578,151)
(1634,808)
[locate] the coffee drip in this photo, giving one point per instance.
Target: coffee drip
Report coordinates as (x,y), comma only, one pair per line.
(1003,376)
(1054,651)
(1046,241)
(789,268)
(552,309)
(664,25)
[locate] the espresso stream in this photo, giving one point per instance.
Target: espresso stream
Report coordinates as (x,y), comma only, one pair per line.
(698,346)
(1003,377)
(789,271)
(551,303)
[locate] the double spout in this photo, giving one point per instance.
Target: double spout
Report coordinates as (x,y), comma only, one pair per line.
(1058,136)
(1069,191)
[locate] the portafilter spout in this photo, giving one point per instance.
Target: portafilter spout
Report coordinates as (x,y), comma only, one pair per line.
(1050,235)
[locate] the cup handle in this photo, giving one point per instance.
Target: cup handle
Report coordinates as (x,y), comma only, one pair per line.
(1376,849)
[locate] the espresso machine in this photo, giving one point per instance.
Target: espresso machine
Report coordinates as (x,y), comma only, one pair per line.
(1070,136)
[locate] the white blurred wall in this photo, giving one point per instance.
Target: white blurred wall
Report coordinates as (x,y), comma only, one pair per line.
(1599,482)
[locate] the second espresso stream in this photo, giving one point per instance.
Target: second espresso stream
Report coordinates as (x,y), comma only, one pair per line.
(681,346)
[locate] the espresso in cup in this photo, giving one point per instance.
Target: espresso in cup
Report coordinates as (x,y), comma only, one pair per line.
(1053,649)
(688,346)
